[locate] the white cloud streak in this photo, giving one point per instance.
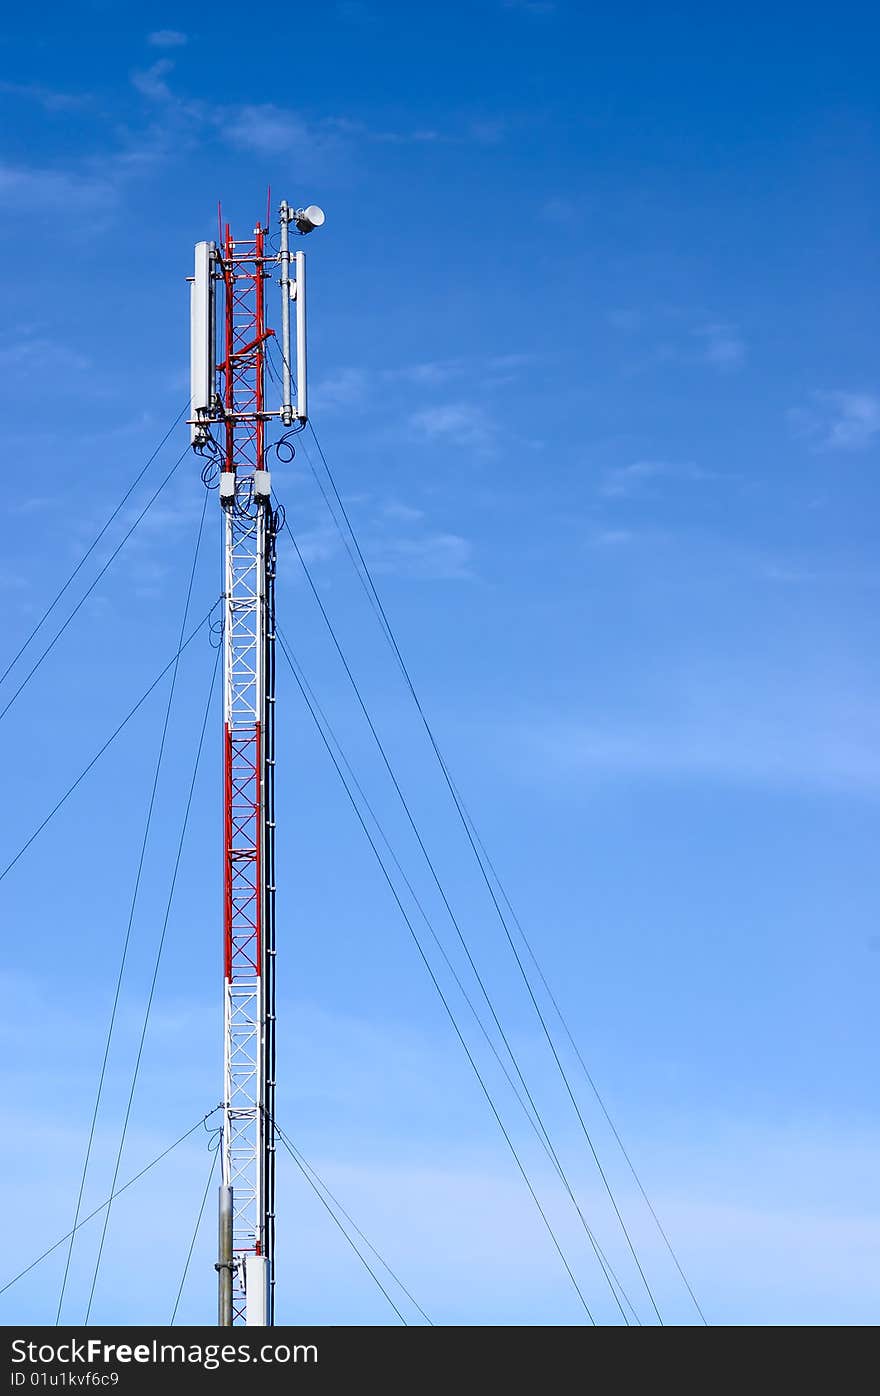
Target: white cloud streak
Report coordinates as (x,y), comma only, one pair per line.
(625,481)
(167,38)
(842,420)
(723,346)
(465,422)
(728,733)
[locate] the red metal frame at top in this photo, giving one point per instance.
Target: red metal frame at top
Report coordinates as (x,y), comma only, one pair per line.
(245,340)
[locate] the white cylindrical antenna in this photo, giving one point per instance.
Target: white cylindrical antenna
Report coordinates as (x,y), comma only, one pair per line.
(302,401)
(286,405)
(201,342)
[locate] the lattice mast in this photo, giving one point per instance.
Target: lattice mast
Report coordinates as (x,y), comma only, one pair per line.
(232,425)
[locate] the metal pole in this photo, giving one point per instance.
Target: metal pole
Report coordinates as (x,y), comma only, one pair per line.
(224,1262)
(268,917)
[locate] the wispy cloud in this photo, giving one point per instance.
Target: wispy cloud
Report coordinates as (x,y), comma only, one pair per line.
(611,537)
(723,346)
(843,420)
(28,349)
(432,556)
(356,12)
(267,129)
(351,384)
(557,210)
(151,81)
(420,135)
(345,388)
(179,122)
(624,319)
(394,509)
(726,730)
(95,183)
(489,130)
(624,481)
(685,338)
(427,373)
(465,422)
(493,370)
(22,187)
(319,543)
(397,537)
(530,7)
(167,38)
(49,98)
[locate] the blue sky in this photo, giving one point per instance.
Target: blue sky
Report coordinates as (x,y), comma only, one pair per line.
(593,357)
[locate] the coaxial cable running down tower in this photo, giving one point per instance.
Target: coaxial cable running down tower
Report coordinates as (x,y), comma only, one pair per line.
(228,303)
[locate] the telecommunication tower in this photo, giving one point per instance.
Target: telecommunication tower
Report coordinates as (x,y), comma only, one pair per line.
(231,426)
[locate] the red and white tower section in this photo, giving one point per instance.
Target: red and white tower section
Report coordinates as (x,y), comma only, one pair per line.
(234,429)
